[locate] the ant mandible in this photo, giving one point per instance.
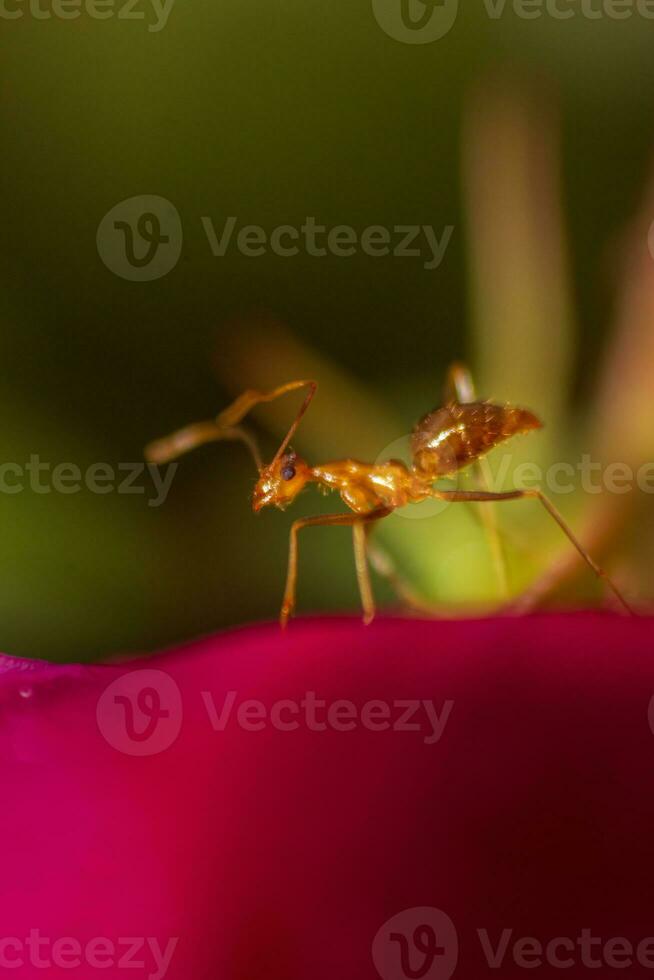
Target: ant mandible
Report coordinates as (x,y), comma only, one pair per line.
(442,443)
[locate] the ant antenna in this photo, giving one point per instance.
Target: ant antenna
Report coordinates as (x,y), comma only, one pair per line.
(312,385)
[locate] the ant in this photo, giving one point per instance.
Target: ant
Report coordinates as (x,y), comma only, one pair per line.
(443,442)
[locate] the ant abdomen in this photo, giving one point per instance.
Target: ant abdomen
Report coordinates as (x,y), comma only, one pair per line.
(449,438)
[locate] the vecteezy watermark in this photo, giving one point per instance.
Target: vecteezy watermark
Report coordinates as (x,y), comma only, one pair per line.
(140,713)
(564,952)
(313,714)
(99,953)
(650,714)
(155,12)
(342,241)
(420,942)
(43,477)
(416,21)
(141,239)
(586,475)
(423,942)
(570,9)
(425,21)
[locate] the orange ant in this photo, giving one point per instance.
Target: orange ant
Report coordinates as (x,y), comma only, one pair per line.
(442,443)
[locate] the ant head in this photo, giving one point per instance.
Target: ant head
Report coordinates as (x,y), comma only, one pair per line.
(281,481)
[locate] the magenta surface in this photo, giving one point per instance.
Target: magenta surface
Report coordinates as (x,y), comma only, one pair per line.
(464,777)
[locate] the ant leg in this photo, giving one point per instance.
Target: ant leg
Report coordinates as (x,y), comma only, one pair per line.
(348,520)
(363,572)
(460,387)
(484,497)
(226,425)
(198,434)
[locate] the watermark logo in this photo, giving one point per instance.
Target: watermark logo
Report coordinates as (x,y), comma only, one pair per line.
(425,21)
(423,943)
(313,714)
(147,954)
(42,477)
(140,713)
(416,944)
(563,10)
(565,952)
(141,238)
(423,242)
(416,21)
(650,714)
(499,474)
(155,12)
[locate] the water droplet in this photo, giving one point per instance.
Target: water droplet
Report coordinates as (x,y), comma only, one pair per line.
(25,692)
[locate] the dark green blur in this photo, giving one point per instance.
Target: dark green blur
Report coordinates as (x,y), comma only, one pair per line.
(269,110)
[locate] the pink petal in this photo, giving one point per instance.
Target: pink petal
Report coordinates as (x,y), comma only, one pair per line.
(281,854)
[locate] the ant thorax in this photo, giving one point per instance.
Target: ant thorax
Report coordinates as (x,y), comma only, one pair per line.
(365,487)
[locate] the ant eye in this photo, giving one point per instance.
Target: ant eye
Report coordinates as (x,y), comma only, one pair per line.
(288,472)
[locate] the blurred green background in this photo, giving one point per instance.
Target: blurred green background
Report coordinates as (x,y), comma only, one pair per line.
(273,111)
